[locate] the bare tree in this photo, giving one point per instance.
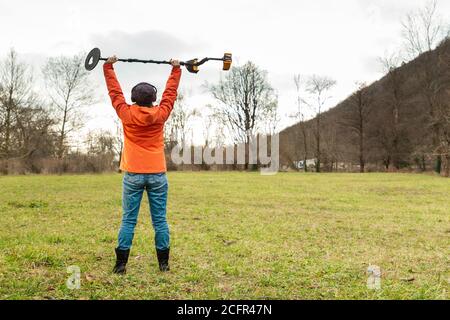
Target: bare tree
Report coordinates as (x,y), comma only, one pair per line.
(176,128)
(245,95)
(208,127)
(70,91)
(15,87)
(25,121)
(300,117)
(356,118)
(271,117)
(395,101)
(118,140)
(217,134)
(319,87)
(440,115)
(100,142)
(423,29)
(330,153)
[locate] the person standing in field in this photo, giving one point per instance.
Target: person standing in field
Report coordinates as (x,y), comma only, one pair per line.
(143,159)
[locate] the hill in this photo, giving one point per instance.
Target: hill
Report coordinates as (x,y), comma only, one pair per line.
(401,121)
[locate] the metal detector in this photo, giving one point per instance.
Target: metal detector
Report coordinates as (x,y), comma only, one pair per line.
(94,57)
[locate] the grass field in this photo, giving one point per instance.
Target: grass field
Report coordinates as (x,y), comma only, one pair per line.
(234,236)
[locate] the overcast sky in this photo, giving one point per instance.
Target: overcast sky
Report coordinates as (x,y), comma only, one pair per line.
(340,39)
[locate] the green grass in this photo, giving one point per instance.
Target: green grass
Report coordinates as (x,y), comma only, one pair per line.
(234,236)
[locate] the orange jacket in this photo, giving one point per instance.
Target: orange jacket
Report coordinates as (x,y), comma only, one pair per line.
(143,127)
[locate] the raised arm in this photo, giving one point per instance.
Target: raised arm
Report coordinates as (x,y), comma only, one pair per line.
(170,93)
(115,91)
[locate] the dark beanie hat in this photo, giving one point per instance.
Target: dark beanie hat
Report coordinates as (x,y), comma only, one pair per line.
(143,94)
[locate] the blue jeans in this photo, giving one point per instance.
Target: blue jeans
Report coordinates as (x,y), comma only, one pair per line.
(156,186)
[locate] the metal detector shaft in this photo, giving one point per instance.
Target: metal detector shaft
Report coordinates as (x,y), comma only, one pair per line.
(139,60)
(183,63)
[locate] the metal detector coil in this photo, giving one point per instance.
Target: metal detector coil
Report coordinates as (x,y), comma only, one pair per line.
(92,59)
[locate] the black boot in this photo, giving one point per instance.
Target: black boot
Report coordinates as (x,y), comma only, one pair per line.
(121,261)
(163,259)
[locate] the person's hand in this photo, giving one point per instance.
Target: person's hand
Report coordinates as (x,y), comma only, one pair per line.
(175,63)
(111,60)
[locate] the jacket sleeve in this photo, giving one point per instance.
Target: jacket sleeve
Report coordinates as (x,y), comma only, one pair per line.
(116,94)
(170,95)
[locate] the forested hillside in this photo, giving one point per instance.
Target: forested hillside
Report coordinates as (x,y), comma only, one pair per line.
(401,122)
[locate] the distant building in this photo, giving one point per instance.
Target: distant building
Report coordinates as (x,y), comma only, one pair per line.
(300,164)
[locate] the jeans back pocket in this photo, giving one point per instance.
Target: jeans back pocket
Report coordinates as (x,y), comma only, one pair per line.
(134,178)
